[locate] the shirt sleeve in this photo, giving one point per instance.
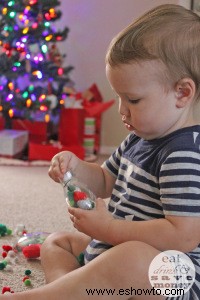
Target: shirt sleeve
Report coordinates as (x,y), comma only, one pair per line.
(112,164)
(180,184)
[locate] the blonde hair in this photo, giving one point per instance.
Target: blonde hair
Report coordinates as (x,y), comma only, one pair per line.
(169,33)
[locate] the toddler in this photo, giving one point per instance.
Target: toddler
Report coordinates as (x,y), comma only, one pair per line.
(152,179)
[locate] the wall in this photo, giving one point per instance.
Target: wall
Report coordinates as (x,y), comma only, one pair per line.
(92,25)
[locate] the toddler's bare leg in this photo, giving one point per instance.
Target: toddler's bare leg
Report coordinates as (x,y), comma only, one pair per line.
(59,253)
(122,267)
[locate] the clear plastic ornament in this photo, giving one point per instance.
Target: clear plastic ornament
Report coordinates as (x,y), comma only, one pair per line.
(30,239)
(76,193)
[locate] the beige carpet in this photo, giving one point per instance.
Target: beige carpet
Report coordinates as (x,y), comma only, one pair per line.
(28,196)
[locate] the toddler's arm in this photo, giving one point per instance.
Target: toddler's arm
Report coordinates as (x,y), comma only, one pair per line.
(171,232)
(93,175)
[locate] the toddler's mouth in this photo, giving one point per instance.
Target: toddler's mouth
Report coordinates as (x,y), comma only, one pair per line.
(127,125)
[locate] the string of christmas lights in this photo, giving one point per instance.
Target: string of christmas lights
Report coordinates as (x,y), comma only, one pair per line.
(32,75)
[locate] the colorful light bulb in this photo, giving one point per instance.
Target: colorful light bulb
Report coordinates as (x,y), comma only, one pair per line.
(11,113)
(47,118)
(28,102)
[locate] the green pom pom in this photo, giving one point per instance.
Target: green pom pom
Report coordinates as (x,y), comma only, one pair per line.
(3,229)
(5,262)
(2,265)
(27,272)
(71,198)
(27,282)
(80,259)
(9,231)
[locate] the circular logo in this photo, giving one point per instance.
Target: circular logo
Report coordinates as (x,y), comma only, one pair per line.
(171,272)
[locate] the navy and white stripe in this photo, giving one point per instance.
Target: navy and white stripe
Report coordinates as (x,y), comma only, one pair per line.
(153,179)
(94,249)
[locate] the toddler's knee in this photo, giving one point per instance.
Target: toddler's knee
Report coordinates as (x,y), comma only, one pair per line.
(59,239)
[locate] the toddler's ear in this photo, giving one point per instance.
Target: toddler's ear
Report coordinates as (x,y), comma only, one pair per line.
(185,90)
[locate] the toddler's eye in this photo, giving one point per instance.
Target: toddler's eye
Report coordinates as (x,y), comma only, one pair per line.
(132,101)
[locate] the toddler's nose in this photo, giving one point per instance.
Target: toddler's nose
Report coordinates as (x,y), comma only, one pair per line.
(123,110)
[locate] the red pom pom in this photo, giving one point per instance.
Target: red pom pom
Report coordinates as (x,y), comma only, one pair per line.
(5,289)
(4,254)
(26,277)
(32,251)
(7,248)
(79,195)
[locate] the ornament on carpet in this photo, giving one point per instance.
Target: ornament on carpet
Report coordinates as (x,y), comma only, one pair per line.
(29,244)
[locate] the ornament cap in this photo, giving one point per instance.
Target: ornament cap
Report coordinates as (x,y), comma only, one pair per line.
(67,177)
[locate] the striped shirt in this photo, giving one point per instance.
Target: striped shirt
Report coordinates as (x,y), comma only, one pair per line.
(155,178)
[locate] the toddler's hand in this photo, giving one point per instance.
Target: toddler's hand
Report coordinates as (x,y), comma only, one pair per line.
(95,223)
(61,163)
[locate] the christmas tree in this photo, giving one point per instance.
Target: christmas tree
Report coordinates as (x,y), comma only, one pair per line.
(32,75)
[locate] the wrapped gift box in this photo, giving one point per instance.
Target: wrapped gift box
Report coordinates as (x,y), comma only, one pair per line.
(71,126)
(13,142)
(39,151)
(38,130)
(2,123)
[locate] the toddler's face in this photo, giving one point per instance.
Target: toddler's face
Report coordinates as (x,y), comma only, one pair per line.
(149,108)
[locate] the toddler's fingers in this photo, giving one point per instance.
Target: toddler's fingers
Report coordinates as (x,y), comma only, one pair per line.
(62,164)
(76,212)
(71,211)
(71,218)
(55,171)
